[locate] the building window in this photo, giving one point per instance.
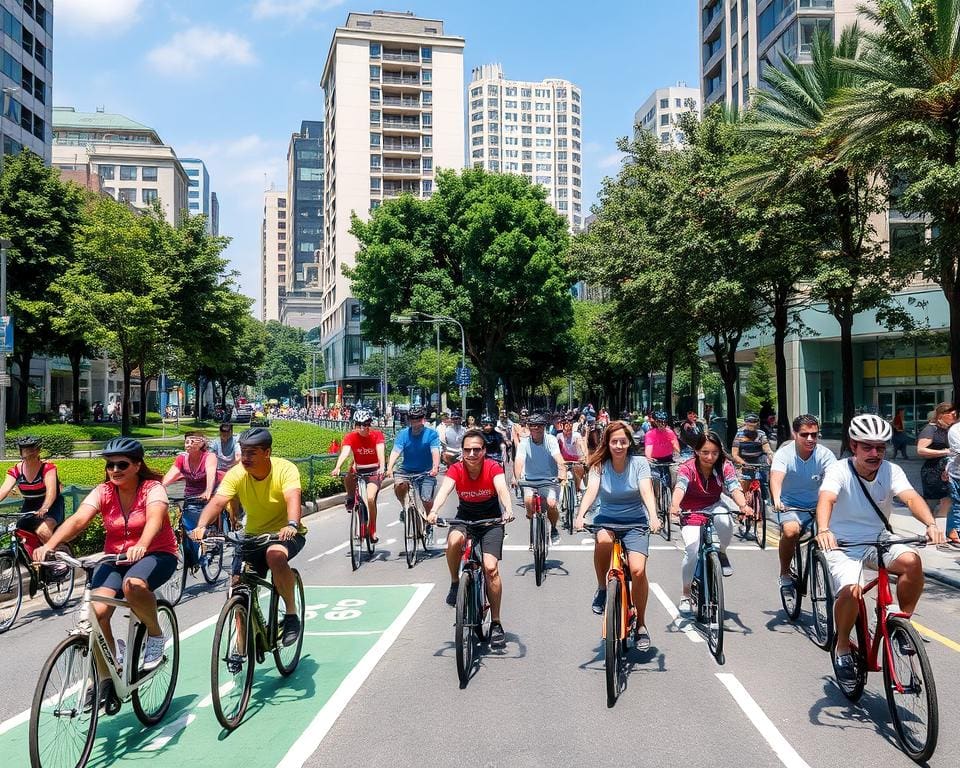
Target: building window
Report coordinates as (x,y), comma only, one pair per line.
(375,117)
(107,171)
(127,195)
(427,187)
(375,95)
(374,139)
(374,162)
(426,77)
(426,53)
(149,196)
(664,103)
(427,164)
(149,173)
(428,142)
(426,120)
(808,31)
(664,119)
(128,173)
(374,50)
(193,195)
(374,72)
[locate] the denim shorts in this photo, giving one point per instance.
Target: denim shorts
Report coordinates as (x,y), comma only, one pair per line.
(634,540)
(426,486)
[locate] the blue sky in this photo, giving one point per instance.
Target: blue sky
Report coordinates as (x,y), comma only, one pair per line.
(228,81)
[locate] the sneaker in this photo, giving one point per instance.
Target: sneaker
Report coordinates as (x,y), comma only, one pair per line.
(106,693)
(452,593)
(904,646)
(599,601)
(554,537)
(153,652)
(235,663)
(725,564)
(403,515)
(846,668)
(291,630)
(497,637)
(642,640)
(530,546)
(429,536)
(685,607)
(348,506)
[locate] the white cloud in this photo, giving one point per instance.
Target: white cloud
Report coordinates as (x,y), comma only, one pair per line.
(611,161)
(183,53)
(296,9)
(89,16)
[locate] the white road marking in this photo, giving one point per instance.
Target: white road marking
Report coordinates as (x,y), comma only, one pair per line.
(389,541)
(357,632)
(314,733)
(395,522)
(682,624)
(169,731)
(787,754)
(207,700)
(329,551)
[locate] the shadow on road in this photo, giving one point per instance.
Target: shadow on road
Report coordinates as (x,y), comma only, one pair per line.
(834,710)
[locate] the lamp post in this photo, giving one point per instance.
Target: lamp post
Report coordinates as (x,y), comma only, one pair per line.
(424,317)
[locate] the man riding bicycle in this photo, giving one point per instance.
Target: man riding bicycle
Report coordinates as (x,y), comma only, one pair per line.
(573,448)
(269,490)
(751,446)
(451,436)
(539,461)
(419,445)
(493,440)
(366,445)
(854,506)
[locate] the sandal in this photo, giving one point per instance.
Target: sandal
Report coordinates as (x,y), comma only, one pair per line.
(642,639)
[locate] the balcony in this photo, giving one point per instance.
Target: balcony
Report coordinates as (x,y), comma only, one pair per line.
(401,103)
(401,147)
(402,169)
(398,79)
(401,124)
(407,188)
(412,57)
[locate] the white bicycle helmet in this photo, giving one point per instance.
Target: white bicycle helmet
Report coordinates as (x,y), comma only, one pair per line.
(869,429)
(362,416)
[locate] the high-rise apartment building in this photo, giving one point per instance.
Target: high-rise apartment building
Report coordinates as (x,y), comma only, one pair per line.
(200,198)
(660,111)
(305,201)
(273,254)
(741,38)
(26,46)
(393,84)
(532,129)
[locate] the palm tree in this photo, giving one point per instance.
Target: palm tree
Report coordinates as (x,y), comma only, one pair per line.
(904,101)
(794,151)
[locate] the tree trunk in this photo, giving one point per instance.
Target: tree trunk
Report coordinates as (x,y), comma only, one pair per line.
(953,300)
(125,400)
(489,392)
(694,382)
(197,400)
(668,383)
(76,358)
(144,386)
(845,318)
(724,352)
(23,360)
(780,322)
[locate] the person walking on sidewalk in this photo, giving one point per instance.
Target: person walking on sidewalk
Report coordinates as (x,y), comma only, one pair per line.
(933,448)
(953,479)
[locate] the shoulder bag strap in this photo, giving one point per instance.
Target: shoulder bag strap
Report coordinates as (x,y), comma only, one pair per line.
(883,518)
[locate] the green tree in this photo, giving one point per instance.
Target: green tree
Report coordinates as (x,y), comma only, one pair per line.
(401,368)
(284,360)
(761,381)
(242,354)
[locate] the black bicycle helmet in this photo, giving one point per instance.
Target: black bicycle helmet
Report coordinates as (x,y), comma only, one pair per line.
(256,437)
(660,416)
(537,419)
(455,415)
(29,441)
(416,412)
(124,446)
(487,419)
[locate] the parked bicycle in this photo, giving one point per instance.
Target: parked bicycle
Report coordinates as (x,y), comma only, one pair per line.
(755,526)
(810,576)
(56,580)
(417,533)
(539,527)
(67,699)
(706,590)
(243,637)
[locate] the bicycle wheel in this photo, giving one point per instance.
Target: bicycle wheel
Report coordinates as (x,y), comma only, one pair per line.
(356,540)
(410,518)
(172,589)
(791,598)
(821,600)
(713,602)
(368,539)
(232,662)
(612,647)
(286,657)
(58,591)
(760,519)
(211,563)
(152,699)
(61,728)
(539,548)
(11,590)
(481,608)
(663,511)
(854,690)
(914,710)
(463,639)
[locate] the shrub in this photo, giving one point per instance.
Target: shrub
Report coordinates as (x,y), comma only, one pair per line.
(58,445)
(292,439)
(153,417)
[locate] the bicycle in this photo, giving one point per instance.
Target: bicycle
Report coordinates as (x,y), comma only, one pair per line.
(66,703)
(416,531)
(569,498)
(619,623)
(810,575)
(755,526)
(473,619)
(243,638)
(907,674)
(539,534)
(706,590)
(55,580)
(661,471)
(359,524)
(207,555)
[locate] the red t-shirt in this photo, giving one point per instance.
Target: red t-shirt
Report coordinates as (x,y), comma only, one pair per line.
(124,531)
(364,448)
(478,498)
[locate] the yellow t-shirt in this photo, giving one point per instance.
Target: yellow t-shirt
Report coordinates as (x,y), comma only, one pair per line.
(262,500)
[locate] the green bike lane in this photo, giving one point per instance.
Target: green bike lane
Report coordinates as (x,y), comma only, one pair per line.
(346,632)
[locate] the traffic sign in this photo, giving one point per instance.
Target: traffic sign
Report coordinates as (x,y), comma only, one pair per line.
(6,335)
(463,376)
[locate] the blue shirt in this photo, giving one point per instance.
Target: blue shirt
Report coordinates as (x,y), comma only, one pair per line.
(539,463)
(416,450)
(801,483)
(619,496)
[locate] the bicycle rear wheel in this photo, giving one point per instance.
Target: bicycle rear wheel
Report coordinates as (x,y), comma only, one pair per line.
(663,510)
(914,710)
(713,605)
(410,518)
(286,657)
(612,647)
(356,539)
(232,662)
(821,600)
(211,563)
(760,518)
(539,547)
(463,639)
(11,590)
(172,589)
(791,599)
(62,729)
(152,699)
(854,690)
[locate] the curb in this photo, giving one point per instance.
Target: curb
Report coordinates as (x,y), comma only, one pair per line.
(941,577)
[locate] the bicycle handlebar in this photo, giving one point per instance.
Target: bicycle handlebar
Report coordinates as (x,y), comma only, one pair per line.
(919,541)
(444,522)
(417,476)
(88,563)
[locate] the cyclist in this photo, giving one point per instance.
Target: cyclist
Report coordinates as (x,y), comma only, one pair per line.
(482,489)
(39,487)
(622,484)
(505,427)
(539,460)
(573,448)
(660,446)
(132,504)
(419,445)
(367,447)
(451,436)
(269,491)
(854,506)
(494,440)
(796,472)
(520,431)
(690,431)
(751,446)
(700,482)
(197,467)
(227,451)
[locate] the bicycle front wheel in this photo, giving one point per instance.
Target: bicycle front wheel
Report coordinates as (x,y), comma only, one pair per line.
(612,647)
(463,639)
(760,519)
(663,511)
(151,700)
(539,548)
(286,657)
(356,538)
(62,728)
(232,662)
(410,518)
(713,605)
(821,600)
(791,598)
(211,563)
(911,692)
(172,589)
(11,590)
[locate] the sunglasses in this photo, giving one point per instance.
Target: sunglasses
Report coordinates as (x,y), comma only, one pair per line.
(117,466)
(471,451)
(808,435)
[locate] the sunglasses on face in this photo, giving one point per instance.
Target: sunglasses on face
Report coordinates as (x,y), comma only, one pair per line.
(808,435)
(471,451)
(117,466)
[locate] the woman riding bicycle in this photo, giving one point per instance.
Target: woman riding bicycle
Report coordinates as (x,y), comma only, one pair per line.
(622,484)
(39,486)
(660,445)
(700,481)
(132,504)
(197,467)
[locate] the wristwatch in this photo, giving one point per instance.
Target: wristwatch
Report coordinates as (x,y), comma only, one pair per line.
(294,525)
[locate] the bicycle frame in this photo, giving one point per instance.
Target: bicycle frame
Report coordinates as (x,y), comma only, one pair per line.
(618,571)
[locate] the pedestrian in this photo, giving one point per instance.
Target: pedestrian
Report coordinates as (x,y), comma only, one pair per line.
(953,478)
(900,437)
(934,448)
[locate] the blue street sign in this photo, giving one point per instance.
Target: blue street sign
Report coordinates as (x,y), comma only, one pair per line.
(463,376)
(6,335)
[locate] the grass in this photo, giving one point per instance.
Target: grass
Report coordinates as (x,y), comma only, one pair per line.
(105,431)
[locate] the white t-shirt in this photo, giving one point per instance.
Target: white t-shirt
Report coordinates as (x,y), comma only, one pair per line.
(953,438)
(853,518)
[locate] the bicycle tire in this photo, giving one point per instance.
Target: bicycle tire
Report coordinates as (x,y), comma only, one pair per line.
(853,691)
(792,601)
(356,540)
(481,608)
(713,605)
(918,748)
(463,638)
(410,517)
(172,589)
(211,564)
(539,548)
(664,511)
(368,539)
(149,707)
(760,521)
(287,657)
(821,601)
(47,729)
(612,647)
(230,712)
(11,588)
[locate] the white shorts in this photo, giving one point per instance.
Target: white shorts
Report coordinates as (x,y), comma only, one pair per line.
(846,565)
(548,492)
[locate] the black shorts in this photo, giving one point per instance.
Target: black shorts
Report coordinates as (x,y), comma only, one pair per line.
(932,482)
(490,538)
(258,559)
(33,522)
(155,569)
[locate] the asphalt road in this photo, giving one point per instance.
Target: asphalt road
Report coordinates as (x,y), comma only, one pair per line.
(381,686)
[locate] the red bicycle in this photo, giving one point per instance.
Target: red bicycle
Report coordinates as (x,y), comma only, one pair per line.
(755,526)
(907,675)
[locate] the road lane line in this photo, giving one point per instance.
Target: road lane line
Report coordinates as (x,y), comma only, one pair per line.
(682,624)
(329,551)
(346,633)
(207,700)
(933,635)
(388,542)
(395,522)
(169,731)
(787,754)
(315,732)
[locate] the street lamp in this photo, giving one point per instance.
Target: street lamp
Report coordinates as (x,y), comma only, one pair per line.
(424,317)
